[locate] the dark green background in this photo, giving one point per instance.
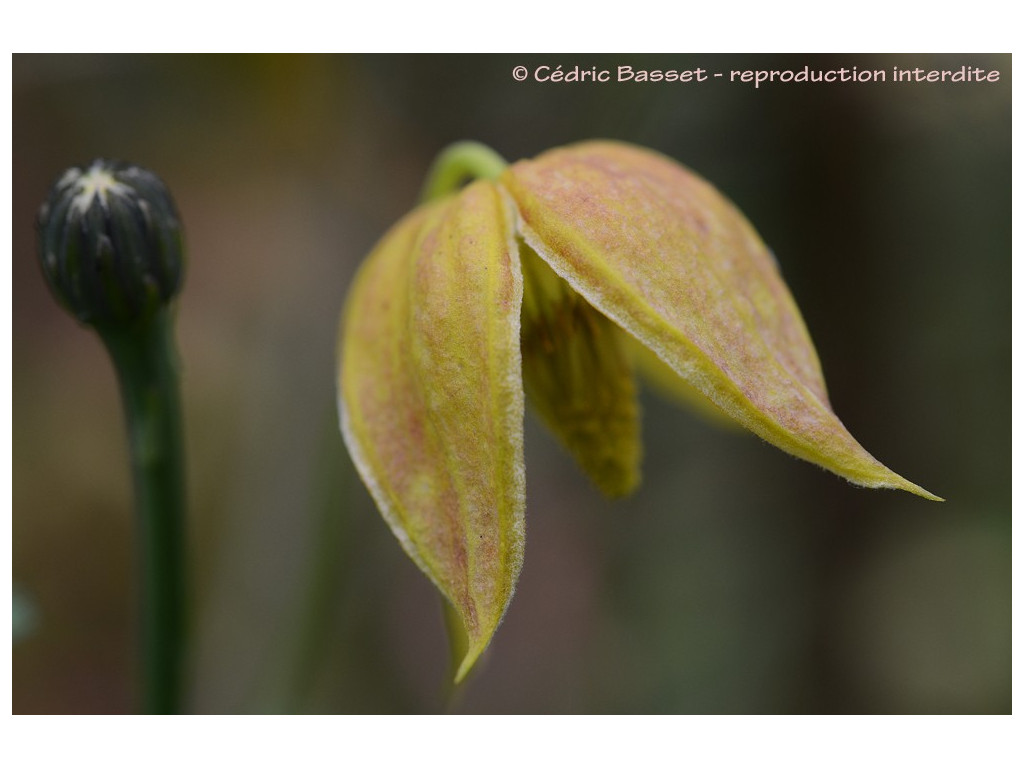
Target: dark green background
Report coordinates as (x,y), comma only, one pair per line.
(736,580)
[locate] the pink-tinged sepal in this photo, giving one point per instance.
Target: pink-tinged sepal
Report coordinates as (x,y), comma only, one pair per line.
(431,398)
(664,255)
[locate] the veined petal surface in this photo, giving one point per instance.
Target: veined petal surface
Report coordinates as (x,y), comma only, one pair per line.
(666,256)
(431,398)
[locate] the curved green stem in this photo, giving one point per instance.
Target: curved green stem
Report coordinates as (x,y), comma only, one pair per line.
(459,163)
(309,634)
(144,356)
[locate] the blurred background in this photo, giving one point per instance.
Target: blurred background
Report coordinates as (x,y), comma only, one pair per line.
(737,580)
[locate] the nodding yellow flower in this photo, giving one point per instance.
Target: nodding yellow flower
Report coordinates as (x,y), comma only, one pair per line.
(544,279)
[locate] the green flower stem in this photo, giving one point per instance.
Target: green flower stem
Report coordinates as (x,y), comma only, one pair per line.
(307,635)
(144,356)
(459,163)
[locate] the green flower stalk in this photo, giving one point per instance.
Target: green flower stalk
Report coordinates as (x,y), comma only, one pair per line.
(110,247)
(552,280)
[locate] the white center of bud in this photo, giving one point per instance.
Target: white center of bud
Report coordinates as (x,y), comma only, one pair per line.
(96,182)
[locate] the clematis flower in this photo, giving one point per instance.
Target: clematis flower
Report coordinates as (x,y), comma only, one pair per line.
(555,277)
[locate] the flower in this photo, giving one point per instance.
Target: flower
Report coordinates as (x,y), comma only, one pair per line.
(110,243)
(545,279)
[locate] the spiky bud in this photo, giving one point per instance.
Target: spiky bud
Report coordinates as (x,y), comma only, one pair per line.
(110,243)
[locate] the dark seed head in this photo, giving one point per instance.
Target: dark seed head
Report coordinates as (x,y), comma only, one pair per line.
(110,242)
